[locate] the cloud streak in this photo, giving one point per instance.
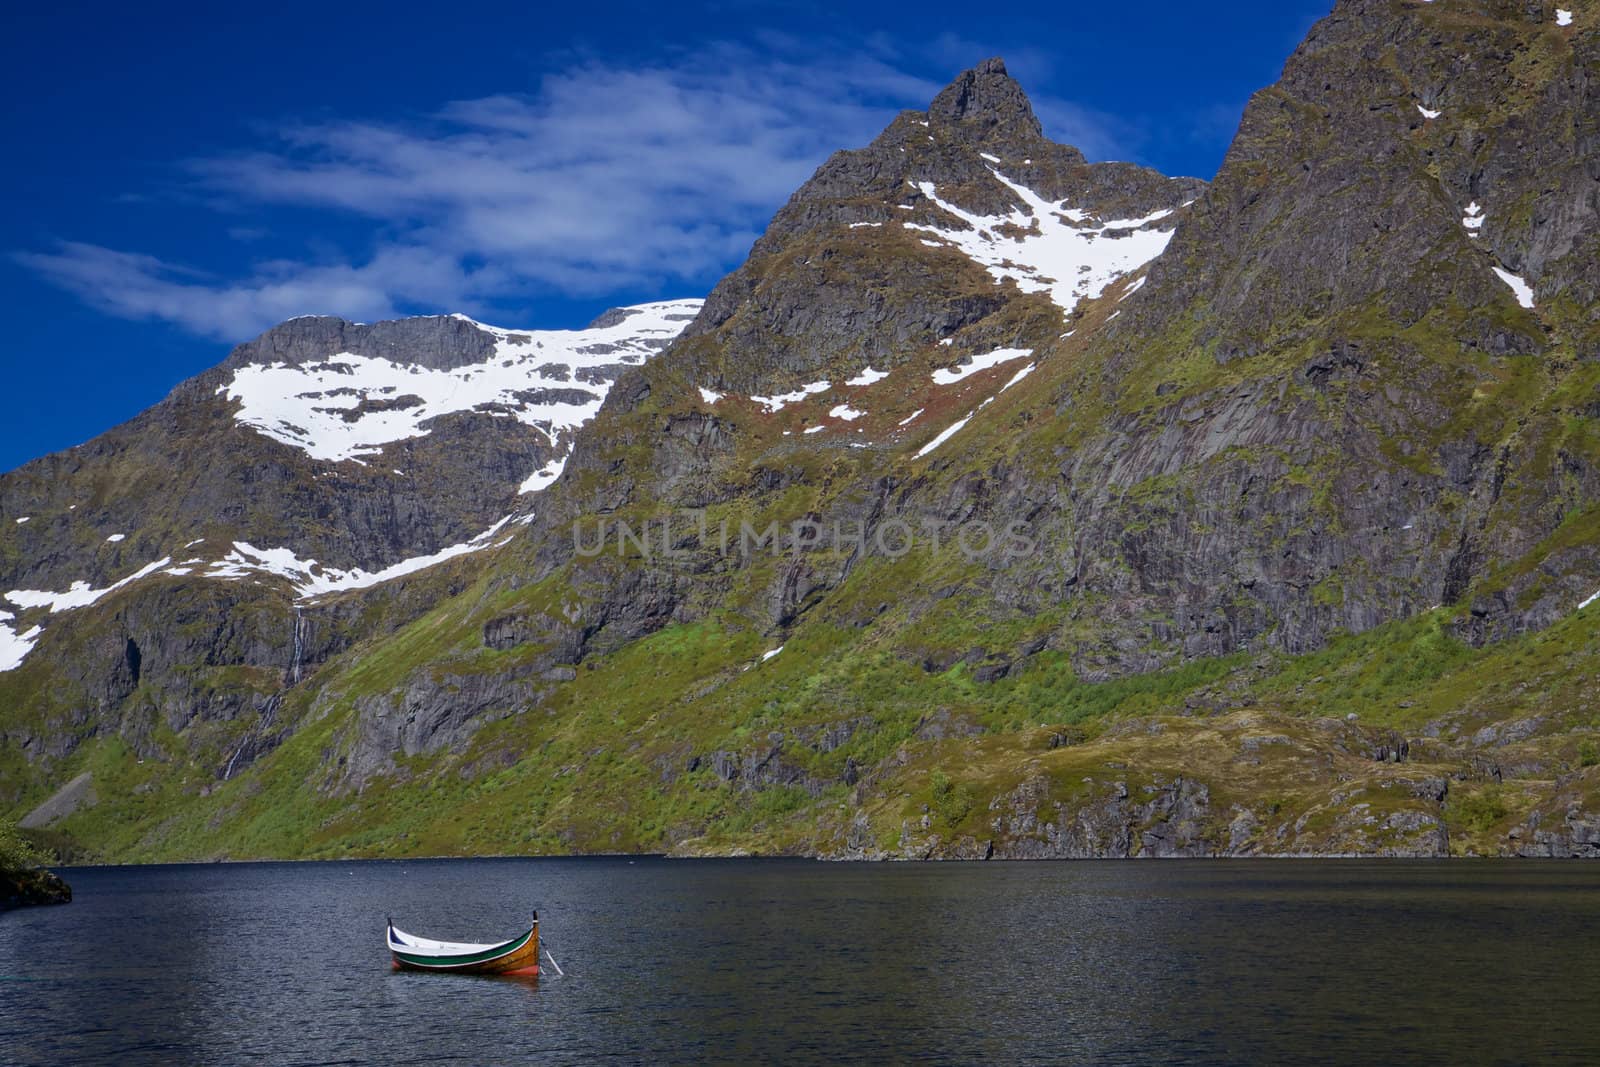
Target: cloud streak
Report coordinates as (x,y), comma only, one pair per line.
(134,286)
(604,181)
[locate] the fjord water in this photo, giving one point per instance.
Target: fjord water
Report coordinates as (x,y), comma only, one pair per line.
(744,961)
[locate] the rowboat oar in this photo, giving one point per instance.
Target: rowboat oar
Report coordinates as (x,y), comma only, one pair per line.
(554,964)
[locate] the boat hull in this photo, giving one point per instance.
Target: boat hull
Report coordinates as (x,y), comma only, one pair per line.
(519,956)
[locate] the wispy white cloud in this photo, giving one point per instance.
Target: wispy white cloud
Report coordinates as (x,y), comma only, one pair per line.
(134,286)
(605,180)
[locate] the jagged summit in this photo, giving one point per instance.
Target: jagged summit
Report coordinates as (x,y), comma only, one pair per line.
(989,104)
(441,342)
(973,174)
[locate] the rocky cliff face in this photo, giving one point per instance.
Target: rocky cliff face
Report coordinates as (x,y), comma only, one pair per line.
(1392,288)
(1000,503)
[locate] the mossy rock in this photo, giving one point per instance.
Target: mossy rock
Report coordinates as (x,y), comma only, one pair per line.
(18,889)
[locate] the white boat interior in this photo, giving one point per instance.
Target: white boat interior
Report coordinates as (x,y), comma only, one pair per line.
(401,940)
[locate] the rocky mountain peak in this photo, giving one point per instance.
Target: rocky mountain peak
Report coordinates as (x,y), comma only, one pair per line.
(988,104)
(438,342)
(976,163)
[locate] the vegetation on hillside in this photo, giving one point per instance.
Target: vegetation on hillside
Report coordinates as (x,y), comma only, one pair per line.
(17,854)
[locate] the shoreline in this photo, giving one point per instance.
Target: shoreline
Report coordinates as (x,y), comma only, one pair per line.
(1276,857)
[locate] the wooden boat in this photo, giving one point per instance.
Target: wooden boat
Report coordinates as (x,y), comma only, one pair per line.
(518,956)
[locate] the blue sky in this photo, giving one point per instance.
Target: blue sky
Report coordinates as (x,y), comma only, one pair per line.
(183,176)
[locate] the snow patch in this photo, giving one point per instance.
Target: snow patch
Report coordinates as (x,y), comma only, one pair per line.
(944,435)
(708,396)
(868,377)
(1428,114)
(770,653)
(1591,600)
(542,478)
(1523,290)
(1563,17)
(812,429)
(783,400)
(911,416)
(1473,218)
(979,363)
(860,225)
(14,647)
(24,519)
(79,594)
(1050,248)
(311,579)
(348,406)
(1017,377)
(114,538)
(845,413)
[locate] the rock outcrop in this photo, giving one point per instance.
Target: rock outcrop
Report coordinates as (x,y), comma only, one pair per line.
(20,889)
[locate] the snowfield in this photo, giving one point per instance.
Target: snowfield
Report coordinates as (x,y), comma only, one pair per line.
(1050,248)
(311,579)
(78,595)
(350,406)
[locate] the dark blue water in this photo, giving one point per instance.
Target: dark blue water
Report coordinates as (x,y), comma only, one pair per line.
(744,961)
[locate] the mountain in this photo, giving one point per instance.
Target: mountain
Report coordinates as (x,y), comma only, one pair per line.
(151,575)
(1000,503)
